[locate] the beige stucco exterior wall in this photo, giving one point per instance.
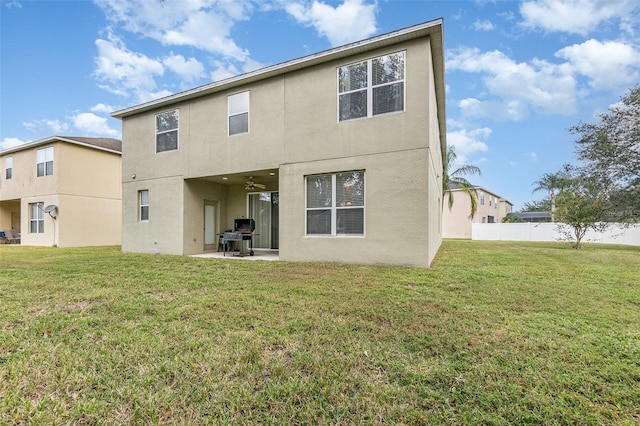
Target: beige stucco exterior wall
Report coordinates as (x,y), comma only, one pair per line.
(163,232)
(85,186)
(396,230)
(294,129)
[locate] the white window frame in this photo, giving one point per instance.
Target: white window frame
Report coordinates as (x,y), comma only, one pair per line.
(334,208)
(142,205)
(38,220)
(8,168)
(240,111)
(44,157)
(371,87)
(167,131)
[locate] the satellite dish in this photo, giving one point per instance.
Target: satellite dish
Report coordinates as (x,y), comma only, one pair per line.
(50,209)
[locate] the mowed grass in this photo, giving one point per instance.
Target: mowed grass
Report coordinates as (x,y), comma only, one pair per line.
(493,333)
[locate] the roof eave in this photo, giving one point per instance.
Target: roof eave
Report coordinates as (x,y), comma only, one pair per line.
(53,139)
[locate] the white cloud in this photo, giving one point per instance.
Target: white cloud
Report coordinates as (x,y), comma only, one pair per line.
(202,24)
(103,108)
(8,143)
(484,25)
(350,21)
(229,69)
(467,142)
(122,71)
(209,31)
(55,127)
(531,156)
(189,69)
(574,16)
(518,88)
(599,61)
(91,124)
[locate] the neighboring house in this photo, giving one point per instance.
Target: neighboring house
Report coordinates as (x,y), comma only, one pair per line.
(337,156)
(456,222)
(63,191)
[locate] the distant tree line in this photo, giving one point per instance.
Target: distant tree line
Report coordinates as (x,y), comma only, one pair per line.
(604,186)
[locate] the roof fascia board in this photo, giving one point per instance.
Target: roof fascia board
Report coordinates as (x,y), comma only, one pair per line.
(421,30)
(53,139)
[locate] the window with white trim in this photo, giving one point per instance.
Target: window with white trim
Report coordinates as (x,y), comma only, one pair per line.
(238,110)
(372,87)
(44,160)
(482,198)
(36,218)
(143,205)
(8,168)
(335,204)
(167,131)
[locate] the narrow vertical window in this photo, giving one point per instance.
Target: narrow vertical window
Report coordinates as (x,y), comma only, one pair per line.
(44,159)
(143,202)
(335,204)
(167,131)
(8,168)
(238,107)
(36,218)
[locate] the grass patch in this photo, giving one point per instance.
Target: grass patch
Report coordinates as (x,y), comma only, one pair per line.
(494,333)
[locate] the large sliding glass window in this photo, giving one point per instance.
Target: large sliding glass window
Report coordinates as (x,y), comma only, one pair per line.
(335,204)
(264,209)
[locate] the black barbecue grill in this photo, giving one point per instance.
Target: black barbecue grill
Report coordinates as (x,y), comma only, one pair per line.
(242,231)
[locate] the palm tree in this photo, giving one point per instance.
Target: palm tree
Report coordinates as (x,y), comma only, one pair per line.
(552,182)
(452,179)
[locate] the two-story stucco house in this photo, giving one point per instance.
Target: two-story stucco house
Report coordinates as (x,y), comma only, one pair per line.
(456,222)
(64,191)
(337,156)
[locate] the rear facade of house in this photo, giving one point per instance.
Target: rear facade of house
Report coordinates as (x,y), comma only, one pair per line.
(336,156)
(78,179)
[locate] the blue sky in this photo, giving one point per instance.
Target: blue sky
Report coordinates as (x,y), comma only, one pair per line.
(518,74)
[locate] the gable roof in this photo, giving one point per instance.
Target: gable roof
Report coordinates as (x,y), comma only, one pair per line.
(432,29)
(103,144)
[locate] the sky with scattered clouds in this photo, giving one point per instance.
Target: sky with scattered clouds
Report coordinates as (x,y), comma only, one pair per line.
(519,74)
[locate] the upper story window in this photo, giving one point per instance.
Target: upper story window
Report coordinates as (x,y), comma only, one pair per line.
(167,131)
(44,158)
(371,87)
(482,198)
(238,107)
(8,167)
(335,204)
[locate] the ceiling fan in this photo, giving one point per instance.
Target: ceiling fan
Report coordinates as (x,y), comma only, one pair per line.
(250,185)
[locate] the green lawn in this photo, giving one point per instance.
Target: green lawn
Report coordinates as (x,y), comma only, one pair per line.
(493,333)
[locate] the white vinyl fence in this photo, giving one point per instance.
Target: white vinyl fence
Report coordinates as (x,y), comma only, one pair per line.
(614,234)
